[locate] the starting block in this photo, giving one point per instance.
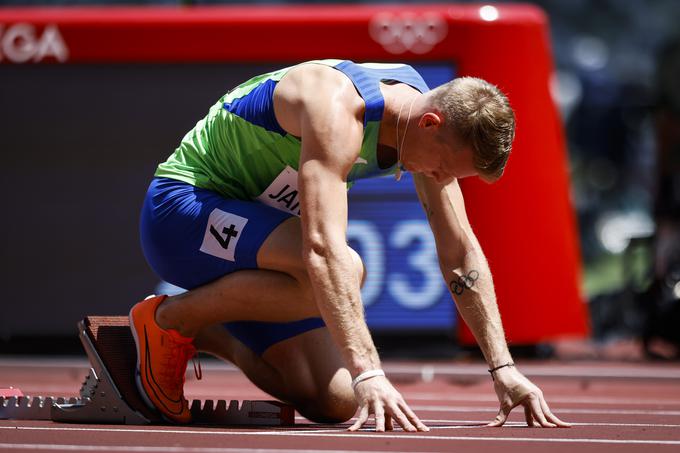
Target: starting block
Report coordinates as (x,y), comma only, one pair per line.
(109,394)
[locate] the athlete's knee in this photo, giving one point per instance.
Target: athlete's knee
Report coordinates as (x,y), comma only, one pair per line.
(304,283)
(282,252)
(359,265)
(324,400)
(329,407)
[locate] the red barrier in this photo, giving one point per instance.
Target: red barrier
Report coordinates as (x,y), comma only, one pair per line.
(525,222)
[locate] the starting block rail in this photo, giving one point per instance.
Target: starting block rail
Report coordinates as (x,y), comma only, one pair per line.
(109,394)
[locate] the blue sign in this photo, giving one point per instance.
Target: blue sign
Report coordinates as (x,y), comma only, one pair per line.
(404,287)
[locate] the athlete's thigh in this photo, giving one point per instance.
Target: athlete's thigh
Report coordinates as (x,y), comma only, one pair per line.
(282,251)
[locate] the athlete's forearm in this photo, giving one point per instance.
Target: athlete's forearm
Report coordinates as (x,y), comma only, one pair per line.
(471,285)
(336,287)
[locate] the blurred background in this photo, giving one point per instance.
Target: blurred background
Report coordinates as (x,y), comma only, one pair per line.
(616,85)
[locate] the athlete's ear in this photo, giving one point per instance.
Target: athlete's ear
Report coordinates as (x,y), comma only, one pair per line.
(431,119)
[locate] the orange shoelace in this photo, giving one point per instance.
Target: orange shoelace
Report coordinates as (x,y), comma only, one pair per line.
(175,360)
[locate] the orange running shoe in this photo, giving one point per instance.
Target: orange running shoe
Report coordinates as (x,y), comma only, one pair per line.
(162,357)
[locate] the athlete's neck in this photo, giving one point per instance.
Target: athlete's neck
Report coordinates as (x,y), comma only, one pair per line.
(395,96)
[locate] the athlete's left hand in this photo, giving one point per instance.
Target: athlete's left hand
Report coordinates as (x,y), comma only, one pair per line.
(514,389)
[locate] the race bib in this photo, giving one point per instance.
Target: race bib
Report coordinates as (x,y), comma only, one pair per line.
(283,193)
(222,233)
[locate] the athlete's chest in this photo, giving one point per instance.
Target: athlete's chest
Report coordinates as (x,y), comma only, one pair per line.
(374,158)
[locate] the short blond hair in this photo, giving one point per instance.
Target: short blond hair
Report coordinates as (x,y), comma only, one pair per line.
(479,114)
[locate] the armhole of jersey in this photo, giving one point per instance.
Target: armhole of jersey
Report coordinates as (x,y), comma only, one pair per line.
(365,85)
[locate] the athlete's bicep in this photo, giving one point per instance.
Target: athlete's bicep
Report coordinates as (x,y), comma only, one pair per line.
(331,140)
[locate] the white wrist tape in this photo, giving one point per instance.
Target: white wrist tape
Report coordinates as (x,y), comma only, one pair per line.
(366,375)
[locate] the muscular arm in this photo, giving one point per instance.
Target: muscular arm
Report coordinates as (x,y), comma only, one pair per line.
(329,263)
(464,266)
(331,137)
(323,108)
(469,279)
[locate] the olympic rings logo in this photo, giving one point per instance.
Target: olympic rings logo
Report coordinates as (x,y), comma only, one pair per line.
(407,31)
(464,282)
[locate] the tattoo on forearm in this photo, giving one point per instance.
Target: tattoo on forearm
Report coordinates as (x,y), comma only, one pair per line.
(459,285)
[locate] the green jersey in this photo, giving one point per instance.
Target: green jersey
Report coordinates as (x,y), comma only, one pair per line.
(240,151)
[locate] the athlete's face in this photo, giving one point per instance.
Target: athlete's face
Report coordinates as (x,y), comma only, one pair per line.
(436,157)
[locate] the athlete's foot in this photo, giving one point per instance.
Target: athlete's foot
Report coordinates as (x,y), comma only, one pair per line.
(162,357)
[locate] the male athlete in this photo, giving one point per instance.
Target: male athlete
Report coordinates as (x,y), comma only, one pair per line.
(250,214)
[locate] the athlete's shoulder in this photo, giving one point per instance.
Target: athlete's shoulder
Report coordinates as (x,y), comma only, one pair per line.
(317,81)
(315,89)
(316,71)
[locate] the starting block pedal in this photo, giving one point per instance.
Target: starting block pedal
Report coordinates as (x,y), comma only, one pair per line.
(109,394)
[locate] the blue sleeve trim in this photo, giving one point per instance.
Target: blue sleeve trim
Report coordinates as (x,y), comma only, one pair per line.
(367,86)
(367,82)
(257,107)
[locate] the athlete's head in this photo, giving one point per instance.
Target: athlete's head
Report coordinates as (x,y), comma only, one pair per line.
(472,124)
(479,115)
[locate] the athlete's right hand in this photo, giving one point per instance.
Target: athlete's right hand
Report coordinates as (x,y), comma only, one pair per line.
(377,396)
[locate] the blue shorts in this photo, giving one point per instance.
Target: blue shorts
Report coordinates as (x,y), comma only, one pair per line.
(192,236)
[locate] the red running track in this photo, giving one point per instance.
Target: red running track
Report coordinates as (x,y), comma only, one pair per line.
(624,406)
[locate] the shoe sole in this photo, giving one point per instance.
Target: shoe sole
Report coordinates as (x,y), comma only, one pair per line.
(138,374)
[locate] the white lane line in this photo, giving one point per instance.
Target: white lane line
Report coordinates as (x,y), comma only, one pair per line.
(568,371)
(479,370)
(431,370)
(126,448)
(365,433)
(341,429)
(557,410)
(460,424)
(419,438)
(481,397)
(215,432)
(424,438)
(478,423)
